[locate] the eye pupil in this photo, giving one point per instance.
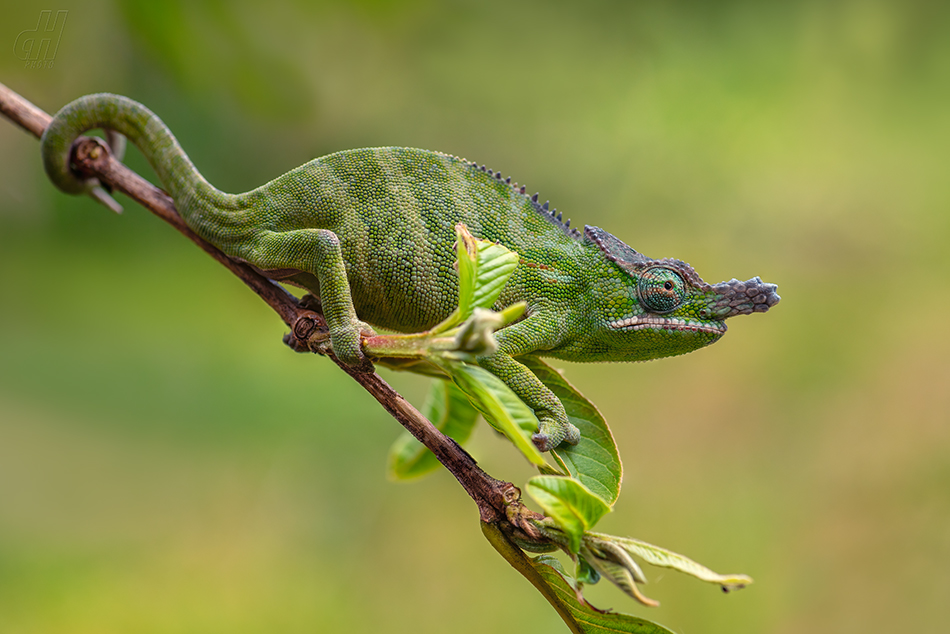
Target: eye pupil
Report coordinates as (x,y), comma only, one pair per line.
(668,285)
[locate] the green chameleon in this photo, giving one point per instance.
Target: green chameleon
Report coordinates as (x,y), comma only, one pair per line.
(370,232)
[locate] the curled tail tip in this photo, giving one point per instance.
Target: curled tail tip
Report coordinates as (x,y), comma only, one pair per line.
(57,141)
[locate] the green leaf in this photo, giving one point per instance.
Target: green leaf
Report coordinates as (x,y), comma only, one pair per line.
(623,573)
(546,574)
(668,559)
(584,573)
(569,504)
(554,562)
(449,410)
(594,460)
(484,268)
(498,404)
(589,619)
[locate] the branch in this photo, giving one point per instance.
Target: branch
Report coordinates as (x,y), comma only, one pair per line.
(498,501)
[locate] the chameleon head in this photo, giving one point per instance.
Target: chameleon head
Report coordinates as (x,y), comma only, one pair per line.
(668,308)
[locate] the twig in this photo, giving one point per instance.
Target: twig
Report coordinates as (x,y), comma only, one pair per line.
(22,112)
(498,501)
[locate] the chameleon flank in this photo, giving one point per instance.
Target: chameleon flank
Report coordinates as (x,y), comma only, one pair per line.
(371,233)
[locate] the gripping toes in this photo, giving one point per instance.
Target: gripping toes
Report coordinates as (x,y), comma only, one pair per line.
(347,342)
(552,432)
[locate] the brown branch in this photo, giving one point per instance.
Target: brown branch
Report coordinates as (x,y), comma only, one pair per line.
(497,500)
(22,112)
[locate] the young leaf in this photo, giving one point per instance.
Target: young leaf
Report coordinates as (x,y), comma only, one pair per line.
(569,504)
(622,571)
(554,562)
(619,575)
(584,573)
(594,460)
(498,404)
(448,409)
(476,336)
(484,268)
(668,559)
(547,575)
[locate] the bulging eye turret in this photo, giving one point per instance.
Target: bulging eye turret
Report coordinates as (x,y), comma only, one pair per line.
(661,290)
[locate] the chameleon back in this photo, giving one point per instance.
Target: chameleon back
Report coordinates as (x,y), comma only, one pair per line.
(395,211)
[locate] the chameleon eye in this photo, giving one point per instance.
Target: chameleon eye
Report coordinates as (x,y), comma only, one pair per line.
(661,290)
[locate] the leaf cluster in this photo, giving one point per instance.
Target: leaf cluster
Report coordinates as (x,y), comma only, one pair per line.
(575,492)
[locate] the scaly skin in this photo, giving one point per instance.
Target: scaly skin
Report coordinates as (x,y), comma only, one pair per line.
(371,232)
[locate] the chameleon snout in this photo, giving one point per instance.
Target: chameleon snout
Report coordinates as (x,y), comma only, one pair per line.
(743,298)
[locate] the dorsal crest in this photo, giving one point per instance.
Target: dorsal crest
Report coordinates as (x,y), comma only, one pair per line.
(545,210)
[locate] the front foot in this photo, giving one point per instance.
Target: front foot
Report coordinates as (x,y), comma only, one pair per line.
(552,432)
(554,427)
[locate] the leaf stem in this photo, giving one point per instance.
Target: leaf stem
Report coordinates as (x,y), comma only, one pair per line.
(519,561)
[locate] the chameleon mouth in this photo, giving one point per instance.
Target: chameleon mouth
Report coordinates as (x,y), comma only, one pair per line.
(656,322)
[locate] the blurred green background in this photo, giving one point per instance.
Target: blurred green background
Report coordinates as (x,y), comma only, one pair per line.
(168,466)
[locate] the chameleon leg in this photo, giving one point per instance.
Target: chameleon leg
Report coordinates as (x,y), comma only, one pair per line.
(540,331)
(554,427)
(335,297)
(315,251)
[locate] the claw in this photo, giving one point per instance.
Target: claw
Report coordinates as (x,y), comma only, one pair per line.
(99,194)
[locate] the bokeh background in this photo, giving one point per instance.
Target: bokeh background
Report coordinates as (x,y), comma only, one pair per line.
(168,466)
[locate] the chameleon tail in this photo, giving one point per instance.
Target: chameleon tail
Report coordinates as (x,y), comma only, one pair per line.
(117,114)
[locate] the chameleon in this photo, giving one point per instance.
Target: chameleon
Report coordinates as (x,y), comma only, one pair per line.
(370,232)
